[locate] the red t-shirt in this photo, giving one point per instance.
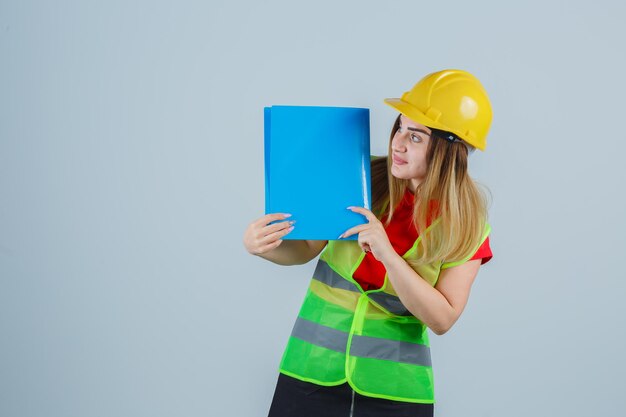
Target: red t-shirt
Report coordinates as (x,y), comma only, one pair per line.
(402,234)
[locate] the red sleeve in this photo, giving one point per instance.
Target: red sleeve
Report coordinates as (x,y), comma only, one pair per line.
(484,252)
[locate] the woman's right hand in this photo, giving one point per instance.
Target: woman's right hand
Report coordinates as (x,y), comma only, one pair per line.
(261,237)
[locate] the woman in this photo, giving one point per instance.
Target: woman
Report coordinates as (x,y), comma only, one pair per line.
(359,346)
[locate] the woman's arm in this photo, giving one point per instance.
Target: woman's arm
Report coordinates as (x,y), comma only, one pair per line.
(437,307)
(294,252)
(265,240)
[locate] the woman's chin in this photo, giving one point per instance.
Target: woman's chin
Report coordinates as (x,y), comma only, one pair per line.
(397,173)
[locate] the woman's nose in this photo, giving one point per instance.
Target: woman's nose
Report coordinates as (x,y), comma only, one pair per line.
(398,143)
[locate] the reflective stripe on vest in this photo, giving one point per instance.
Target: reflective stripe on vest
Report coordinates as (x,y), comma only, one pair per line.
(361,346)
(325,274)
(319,335)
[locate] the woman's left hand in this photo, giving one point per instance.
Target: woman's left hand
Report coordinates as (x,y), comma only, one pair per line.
(372,235)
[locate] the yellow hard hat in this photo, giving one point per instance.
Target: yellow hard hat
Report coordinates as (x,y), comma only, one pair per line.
(451,100)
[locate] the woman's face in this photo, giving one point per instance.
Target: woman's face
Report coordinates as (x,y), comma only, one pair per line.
(409,146)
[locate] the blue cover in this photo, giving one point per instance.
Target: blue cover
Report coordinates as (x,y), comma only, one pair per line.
(317,163)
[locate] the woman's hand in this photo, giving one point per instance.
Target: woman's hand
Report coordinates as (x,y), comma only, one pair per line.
(261,237)
(372,236)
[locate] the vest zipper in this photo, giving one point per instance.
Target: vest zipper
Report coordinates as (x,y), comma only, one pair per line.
(352,405)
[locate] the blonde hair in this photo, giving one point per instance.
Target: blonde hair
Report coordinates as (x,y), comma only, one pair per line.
(448,201)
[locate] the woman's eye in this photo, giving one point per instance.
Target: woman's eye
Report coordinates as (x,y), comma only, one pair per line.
(415,138)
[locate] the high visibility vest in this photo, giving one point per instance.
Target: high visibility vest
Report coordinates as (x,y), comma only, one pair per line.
(367,338)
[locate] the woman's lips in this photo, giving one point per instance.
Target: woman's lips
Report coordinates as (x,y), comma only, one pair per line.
(398,161)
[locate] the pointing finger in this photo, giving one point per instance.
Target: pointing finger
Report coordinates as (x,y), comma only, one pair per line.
(353,230)
(365,212)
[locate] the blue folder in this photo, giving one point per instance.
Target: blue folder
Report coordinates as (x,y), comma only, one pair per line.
(317,163)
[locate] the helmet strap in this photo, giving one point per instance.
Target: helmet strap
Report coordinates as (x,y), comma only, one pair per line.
(443,134)
(451,137)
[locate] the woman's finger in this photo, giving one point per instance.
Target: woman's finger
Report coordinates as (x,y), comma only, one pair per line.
(275,227)
(269,246)
(272,237)
(272,217)
(353,230)
(365,212)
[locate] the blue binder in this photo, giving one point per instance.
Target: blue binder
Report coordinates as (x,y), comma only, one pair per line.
(317,163)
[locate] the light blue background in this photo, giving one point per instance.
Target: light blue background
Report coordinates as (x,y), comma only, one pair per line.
(131,162)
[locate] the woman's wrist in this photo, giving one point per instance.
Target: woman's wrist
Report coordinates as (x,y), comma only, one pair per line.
(392,261)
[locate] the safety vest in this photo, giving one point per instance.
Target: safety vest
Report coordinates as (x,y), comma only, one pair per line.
(367,338)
